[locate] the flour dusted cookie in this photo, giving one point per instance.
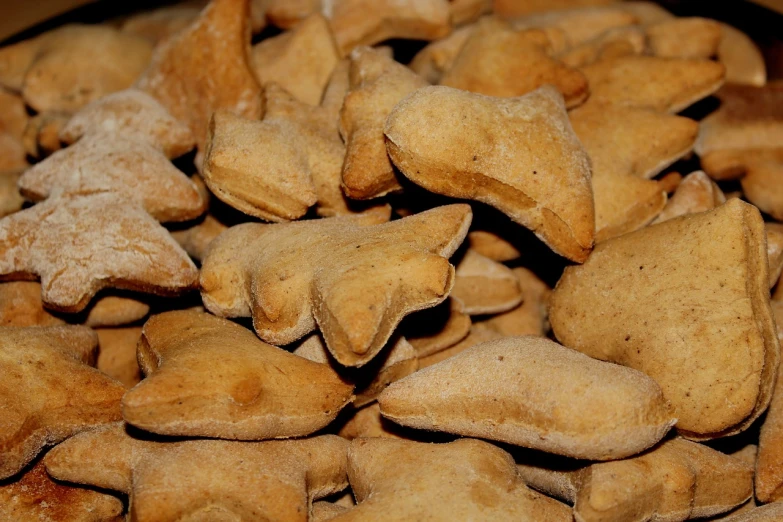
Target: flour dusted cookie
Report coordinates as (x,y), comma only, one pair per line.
(648,300)
(76,64)
(749,119)
(367,22)
(625,146)
(134,114)
(742,58)
(650,82)
(484,286)
(78,245)
(273,480)
(685,38)
(479,391)
(377,84)
(497,60)
(103,163)
(519,155)
(354,276)
(300,60)
(430,331)
(49,392)
(454,480)
(530,317)
(206,67)
(676,480)
(695,193)
(209,377)
(33,495)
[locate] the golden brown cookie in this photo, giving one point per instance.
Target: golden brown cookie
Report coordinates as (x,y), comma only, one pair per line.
(761,184)
(484,286)
(10,199)
(368,422)
(35,496)
(593,410)
(615,42)
(205,68)
(117,354)
(579,24)
(519,155)
(742,58)
(650,299)
(209,377)
(467,479)
(530,317)
(354,276)
(693,37)
(466,11)
(205,479)
(377,84)
(649,82)
(626,145)
(67,68)
(475,336)
(161,23)
(113,163)
(492,245)
(300,60)
(497,60)
(437,57)
(430,331)
(79,245)
(695,193)
(134,114)
(48,391)
(42,133)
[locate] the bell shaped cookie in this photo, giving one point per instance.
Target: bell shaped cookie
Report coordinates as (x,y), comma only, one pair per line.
(686,302)
(209,377)
(519,155)
(355,277)
(593,410)
(467,479)
(104,163)
(79,245)
(205,479)
(49,392)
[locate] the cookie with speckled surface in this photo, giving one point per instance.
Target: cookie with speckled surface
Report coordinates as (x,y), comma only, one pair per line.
(113,163)
(79,245)
(134,114)
(354,276)
(532,392)
(466,479)
(519,155)
(687,302)
(49,392)
(205,479)
(209,377)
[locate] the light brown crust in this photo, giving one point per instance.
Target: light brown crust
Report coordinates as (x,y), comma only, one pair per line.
(352,274)
(484,286)
(209,377)
(467,145)
(652,299)
(48,390)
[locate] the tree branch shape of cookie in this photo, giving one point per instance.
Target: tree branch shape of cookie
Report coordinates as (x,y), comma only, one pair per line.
(519,155)
(48,391)
(182,352)
(82,244)
(354,277)
(205,479)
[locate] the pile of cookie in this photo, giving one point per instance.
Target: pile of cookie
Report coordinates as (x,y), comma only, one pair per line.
(395,260)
